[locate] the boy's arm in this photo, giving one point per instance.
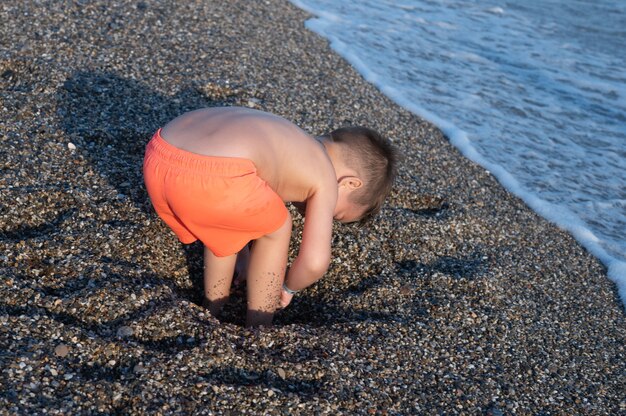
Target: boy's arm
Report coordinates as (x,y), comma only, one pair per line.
(314,255)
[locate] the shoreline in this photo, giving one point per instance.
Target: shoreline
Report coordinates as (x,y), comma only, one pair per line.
(458,299)
(561,216)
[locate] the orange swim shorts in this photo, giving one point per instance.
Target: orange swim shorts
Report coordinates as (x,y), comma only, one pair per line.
(220,201)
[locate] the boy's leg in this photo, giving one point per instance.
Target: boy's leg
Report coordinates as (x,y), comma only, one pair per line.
(266,273)
(218,274)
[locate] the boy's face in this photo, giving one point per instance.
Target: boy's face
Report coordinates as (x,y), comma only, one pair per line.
(347,211)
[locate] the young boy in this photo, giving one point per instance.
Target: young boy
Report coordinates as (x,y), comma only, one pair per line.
(223,175)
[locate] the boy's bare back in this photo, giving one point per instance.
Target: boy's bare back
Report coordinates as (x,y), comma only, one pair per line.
(294,164)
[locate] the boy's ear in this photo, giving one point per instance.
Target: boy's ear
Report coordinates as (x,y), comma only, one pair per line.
(350,182)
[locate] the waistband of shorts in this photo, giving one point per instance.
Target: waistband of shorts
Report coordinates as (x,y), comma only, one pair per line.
(183,159)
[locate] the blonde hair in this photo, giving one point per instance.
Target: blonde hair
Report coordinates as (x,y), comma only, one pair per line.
(375,160)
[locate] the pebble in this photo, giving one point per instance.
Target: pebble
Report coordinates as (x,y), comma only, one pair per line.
(61,350)
(405,290)
(125,331)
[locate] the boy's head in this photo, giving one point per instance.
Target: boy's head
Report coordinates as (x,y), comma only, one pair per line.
(373,158)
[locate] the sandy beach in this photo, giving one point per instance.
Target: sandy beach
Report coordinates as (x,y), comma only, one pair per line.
(457,299)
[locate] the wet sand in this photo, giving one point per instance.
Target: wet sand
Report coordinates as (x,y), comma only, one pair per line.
(458,299)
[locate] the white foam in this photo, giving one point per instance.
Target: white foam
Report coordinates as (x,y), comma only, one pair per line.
(496,10)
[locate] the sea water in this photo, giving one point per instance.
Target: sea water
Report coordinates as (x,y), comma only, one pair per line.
(534,91)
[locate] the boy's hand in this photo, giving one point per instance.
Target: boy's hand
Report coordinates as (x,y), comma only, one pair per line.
(285,299)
